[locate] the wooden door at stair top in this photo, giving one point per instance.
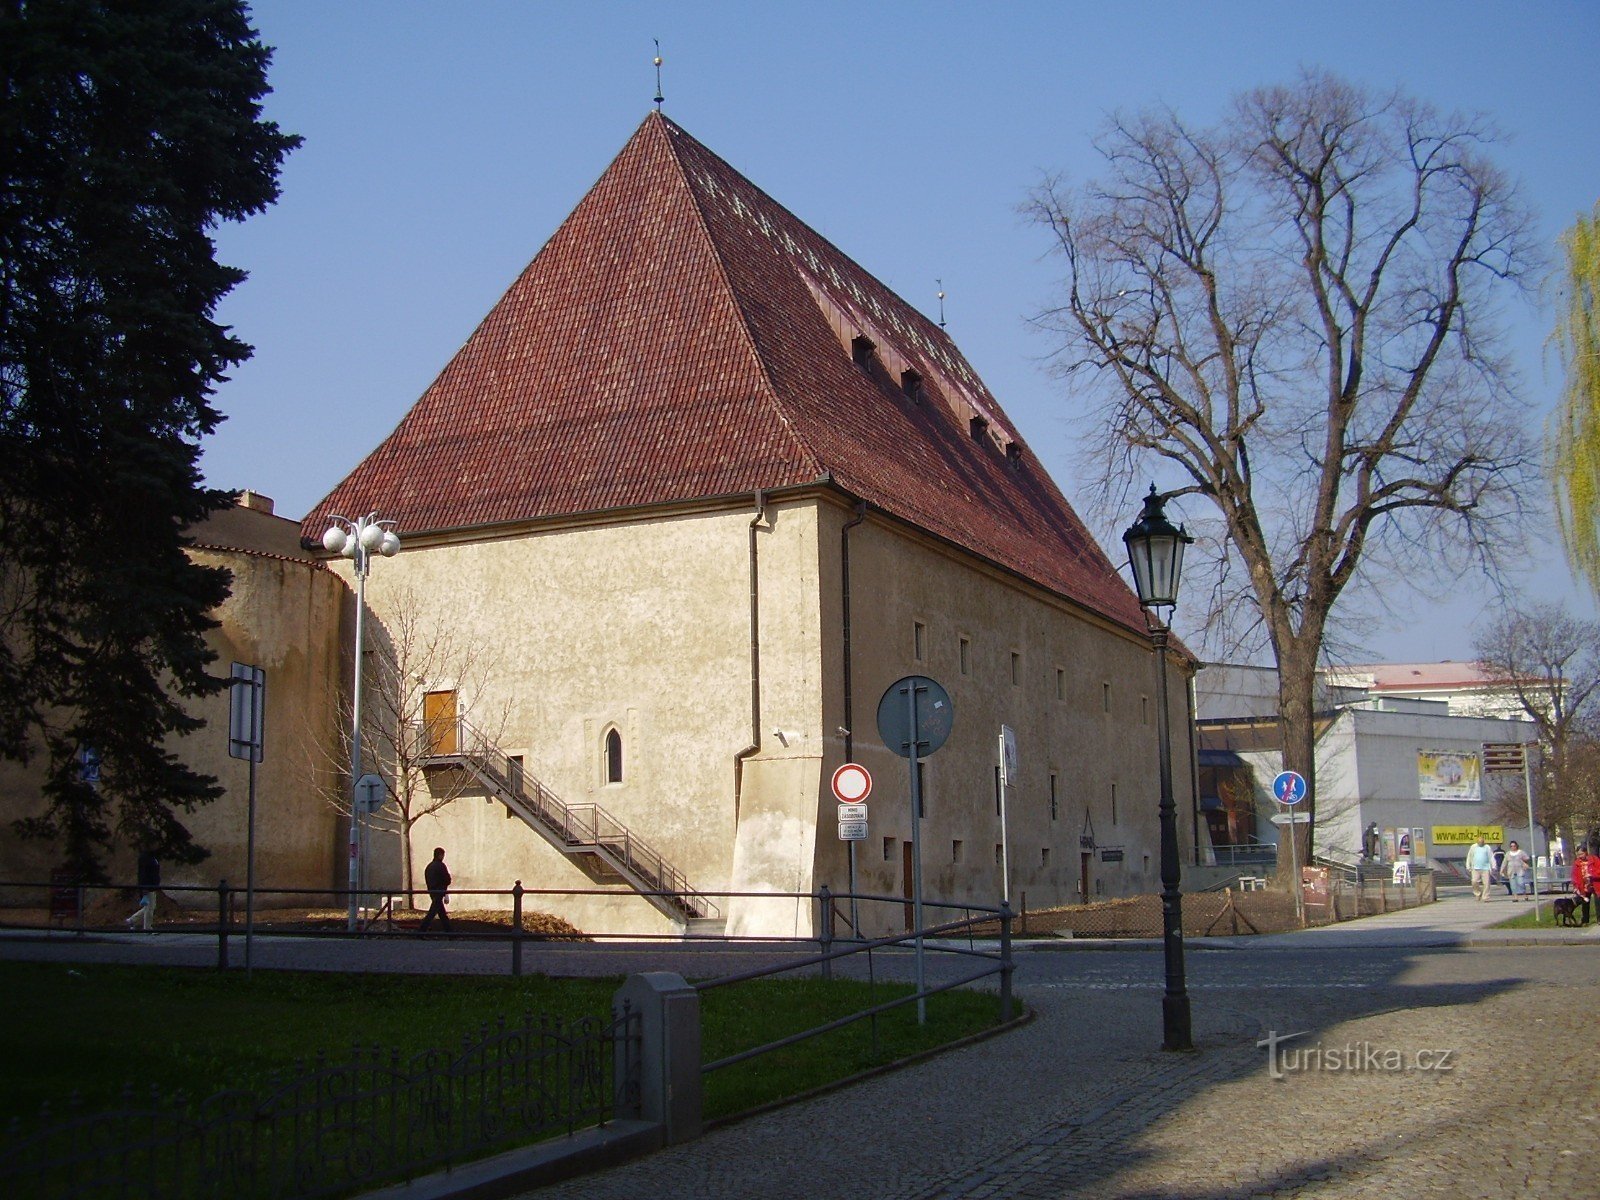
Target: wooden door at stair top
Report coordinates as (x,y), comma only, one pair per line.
(439,722)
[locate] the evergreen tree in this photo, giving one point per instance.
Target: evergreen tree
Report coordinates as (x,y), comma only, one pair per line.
(128,130)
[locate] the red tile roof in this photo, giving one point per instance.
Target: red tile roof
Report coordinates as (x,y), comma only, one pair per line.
(682,336)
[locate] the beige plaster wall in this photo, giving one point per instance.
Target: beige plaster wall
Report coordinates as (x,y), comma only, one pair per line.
(284,616)
(1097,734)
(640,625)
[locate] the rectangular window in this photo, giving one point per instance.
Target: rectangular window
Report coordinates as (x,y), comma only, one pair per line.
(1044,858)
(1016,669)
(1105,697)
(1144,710)
(999,789)
(955,852)
(919,638)
(999,853)
(1061,684)
(888,849)
(922,788)
(1054,804)
(1113,804)
(966,655)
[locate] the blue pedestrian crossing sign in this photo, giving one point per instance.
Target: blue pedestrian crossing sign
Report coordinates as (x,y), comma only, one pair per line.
(1289,787)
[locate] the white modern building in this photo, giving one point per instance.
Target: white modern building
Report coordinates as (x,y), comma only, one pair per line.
(1397,777)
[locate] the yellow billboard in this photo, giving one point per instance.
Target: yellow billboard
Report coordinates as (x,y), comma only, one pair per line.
(1465,835)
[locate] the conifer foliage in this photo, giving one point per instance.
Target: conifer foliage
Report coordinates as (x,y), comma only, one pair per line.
(128,130)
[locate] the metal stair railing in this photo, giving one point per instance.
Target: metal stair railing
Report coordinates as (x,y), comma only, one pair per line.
(574,828)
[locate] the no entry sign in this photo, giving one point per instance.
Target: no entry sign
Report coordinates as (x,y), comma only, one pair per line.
(852,783)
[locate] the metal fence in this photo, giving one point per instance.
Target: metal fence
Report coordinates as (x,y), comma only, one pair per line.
(332,1128)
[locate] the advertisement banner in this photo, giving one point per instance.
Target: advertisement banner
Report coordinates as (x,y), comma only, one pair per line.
(1465,835)
(1447,775)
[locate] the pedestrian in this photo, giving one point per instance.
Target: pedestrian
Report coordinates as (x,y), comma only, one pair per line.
(1480,863)
(149,878)
(437,877)
(1516,867)
(1586,874)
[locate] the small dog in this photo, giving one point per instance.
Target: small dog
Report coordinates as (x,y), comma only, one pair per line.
(1566,910)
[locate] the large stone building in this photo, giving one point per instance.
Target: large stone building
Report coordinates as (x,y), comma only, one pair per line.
(696,492)
(708,488)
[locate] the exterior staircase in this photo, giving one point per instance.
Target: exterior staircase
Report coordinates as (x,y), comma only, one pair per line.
(577,830)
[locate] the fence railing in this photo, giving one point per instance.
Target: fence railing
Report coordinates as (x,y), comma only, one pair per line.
(330,1128)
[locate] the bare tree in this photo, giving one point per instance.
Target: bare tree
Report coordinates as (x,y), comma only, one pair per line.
(411,656)
(1548,663)
(1291,316)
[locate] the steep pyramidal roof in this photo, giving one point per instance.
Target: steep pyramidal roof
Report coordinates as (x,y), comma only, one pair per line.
(683,336)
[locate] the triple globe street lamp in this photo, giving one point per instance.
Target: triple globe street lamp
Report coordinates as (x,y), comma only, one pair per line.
(1155,552)
(359,540)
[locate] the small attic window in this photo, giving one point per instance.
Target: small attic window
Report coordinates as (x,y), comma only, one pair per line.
(862,350)
(911,384)
(1013,454)
(980,426)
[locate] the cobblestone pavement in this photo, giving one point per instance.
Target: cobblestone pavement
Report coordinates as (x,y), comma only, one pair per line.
(1078,1103)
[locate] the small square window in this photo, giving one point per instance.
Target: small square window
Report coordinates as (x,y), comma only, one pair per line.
(919,639)
(966,655)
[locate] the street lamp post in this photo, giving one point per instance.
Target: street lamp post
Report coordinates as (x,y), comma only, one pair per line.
(358,540)
(1155,552)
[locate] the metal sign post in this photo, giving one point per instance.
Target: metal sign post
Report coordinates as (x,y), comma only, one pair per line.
(247,706)
(1505,757)
(1289,788)
(1008,774)
(914,720)
(851,784)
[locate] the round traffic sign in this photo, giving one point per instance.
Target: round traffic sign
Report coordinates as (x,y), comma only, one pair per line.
(1289,787)
(920,701)
(852,783)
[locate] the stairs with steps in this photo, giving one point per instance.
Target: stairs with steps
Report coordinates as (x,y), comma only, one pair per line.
(577,830)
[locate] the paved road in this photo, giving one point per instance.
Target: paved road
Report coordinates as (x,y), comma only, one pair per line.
(1474,1074)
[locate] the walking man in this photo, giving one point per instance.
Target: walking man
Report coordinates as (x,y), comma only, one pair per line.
(437,877)
(1480,862)
(144,916)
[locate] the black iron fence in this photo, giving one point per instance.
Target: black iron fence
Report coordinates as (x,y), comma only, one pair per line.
(332,1128)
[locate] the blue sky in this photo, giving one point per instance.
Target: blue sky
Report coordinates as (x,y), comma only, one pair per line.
(445,142)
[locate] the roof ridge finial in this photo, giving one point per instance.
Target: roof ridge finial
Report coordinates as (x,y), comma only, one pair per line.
(657,41)
(940,282)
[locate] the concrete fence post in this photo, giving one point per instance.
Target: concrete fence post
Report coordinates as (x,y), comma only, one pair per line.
(668,1053)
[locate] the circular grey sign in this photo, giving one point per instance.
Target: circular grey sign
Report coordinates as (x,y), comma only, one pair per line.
(915,702)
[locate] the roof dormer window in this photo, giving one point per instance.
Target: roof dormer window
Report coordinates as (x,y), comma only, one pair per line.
(980,427)
(1013,454)
(862,350)
(911,384)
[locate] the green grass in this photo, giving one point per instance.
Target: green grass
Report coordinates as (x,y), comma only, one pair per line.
(93,1029)
(1525,919)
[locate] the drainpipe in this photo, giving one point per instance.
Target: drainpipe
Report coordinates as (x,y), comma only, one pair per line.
(844,575)
(849,705)
(755,657)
